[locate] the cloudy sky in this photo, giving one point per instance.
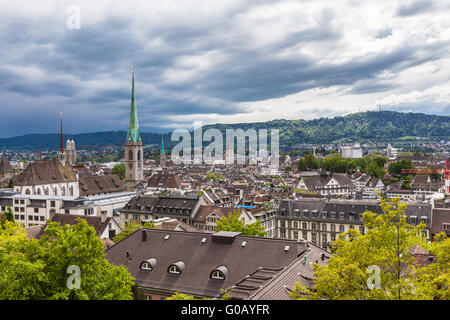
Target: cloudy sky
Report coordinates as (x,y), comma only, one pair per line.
(217,61)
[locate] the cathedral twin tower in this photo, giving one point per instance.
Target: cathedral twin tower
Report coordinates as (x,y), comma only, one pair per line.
(134,150)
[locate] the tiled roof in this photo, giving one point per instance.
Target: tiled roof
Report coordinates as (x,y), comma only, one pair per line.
(44,172)
(199,257)
(90,185)
(71,219)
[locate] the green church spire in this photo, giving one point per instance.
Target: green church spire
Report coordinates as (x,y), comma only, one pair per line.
(133,129)
(162,146)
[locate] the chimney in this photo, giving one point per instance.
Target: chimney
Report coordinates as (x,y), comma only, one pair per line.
(301,247)
(143,235)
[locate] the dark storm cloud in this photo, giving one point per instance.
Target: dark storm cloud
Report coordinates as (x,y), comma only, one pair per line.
(46,68)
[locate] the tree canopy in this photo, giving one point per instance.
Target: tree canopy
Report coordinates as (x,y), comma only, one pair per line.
(233,223)
(119,169)
(66,263)
(382,252)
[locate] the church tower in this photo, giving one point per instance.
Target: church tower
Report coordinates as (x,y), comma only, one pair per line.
(134,150)
(162,156)
(61,154)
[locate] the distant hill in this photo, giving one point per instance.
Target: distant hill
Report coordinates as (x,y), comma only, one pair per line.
(361,127)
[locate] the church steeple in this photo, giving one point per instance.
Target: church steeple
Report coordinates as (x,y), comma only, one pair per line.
(133,128)
(162,157)
(134,151)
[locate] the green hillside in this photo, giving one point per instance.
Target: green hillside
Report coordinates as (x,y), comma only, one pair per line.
(362,127)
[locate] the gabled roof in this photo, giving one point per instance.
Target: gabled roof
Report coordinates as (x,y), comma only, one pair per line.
(71,219)
(199,257)
(204,211)
(164,180)
(44,172)
(90,185)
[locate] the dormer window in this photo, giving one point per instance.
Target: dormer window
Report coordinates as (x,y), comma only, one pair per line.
(220,273)
(176,268)
(148,265)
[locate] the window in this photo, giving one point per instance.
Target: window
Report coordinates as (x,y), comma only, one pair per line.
(217,275)
(313,226)
(22,209)
(295,234)
(148,265)
(313,237)
(295,225)
(36,210)
(130,155)
(52,204)
(16,201)
(341,228)
(361,229)
(324,227)
(22,201)
(176,268)
(333,228)
(305,236)
(42,218)
(16,209)
(220,273)
(304,225)
(67,211)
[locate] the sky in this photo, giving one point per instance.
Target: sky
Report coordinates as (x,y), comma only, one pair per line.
(217,61)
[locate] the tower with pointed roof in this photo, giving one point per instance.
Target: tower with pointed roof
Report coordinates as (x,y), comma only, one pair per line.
(162,156)
(134,150)
(61,154)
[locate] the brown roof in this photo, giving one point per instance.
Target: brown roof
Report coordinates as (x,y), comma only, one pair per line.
(44,172)
(204,211)
(34,232)
(90,185)
(199,258)
(175,225)
(71,219)
(164,181)
(301,269)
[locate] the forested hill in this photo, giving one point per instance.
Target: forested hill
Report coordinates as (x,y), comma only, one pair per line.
(358,127)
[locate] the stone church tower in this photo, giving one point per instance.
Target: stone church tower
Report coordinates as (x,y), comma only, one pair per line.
(134,150)
(70,152)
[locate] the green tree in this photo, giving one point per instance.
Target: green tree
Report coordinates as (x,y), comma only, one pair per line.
(9,215)
(233,223)
(385,246)
(119,169)
(131,227)
(215,176)
(435,278)
(395,168)
(38,269)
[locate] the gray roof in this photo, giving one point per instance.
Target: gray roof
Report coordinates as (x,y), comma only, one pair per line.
(200,258)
